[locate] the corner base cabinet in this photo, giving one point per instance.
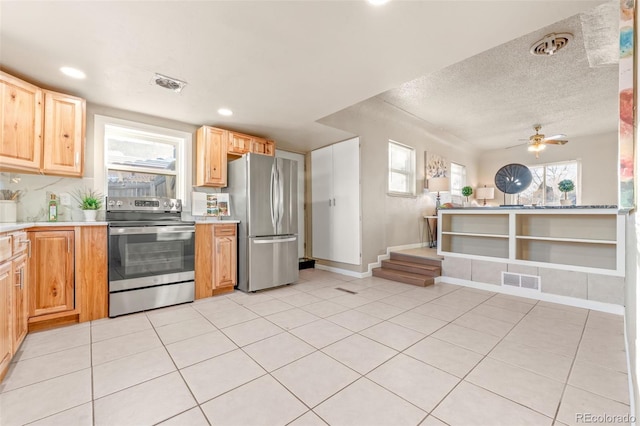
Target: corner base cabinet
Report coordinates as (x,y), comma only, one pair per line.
(216,259)
(581,239)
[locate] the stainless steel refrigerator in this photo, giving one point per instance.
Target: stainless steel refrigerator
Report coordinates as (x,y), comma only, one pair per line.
(264,199)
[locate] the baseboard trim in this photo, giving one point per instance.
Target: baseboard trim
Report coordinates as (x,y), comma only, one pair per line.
(630,375)
(546,297)
(342,271)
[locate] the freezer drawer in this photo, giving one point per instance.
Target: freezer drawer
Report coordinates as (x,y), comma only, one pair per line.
(273,261)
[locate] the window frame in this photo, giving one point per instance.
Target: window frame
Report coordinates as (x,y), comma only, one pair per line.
(577,182)
(410,174)
(182,139)
(463,179)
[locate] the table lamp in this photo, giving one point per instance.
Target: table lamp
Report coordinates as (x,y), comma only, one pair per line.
(484,193)
(438,184)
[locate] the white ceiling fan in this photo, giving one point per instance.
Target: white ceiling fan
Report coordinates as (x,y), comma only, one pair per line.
(538,142)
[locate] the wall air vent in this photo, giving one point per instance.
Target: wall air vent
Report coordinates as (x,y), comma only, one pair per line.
(169,83)
(512,279)
(550,44)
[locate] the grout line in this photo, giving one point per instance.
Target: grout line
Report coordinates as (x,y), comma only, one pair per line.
(573,361)
(480,361)
(93,400)
(181,376)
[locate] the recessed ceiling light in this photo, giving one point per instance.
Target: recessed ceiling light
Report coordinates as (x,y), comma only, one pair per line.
(225,111)
(378,2)
(73,72)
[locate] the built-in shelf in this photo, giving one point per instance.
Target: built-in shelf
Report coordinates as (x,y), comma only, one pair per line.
(580,240)
(468,234)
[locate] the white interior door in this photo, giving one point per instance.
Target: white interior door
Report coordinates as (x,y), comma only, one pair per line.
(345,226)
(321,201)
(300,159)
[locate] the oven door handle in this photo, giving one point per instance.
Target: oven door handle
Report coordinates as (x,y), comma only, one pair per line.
(137,230)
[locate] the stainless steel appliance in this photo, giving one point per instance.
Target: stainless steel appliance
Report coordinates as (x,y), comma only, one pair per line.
(151,254)
(263,193)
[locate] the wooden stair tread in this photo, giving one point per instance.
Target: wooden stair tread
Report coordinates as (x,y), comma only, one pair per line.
(403,276)
(411,264)
(436,261)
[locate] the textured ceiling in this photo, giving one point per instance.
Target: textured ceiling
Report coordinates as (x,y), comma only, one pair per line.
(283,65)
(493,99)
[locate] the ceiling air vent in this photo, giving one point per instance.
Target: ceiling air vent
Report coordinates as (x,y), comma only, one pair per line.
(550,44)
(169,83)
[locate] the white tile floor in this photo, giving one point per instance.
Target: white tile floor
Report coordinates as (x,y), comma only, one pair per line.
(309,354)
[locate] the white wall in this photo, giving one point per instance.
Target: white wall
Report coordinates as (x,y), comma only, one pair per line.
(386,220)
(598,155)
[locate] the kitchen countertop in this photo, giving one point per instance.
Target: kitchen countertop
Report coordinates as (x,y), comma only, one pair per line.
(529,207)
(515,207)
(215,221)
(8,227)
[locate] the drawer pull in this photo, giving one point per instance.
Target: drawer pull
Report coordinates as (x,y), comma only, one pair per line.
(28,247)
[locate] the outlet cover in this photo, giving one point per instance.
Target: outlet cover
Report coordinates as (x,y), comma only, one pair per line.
(65,199)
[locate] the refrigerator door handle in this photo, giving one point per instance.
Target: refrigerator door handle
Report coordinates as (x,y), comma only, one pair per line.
(280,196)
(272,196)
(279,240)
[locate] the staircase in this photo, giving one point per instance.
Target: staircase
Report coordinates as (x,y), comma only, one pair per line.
(410,269)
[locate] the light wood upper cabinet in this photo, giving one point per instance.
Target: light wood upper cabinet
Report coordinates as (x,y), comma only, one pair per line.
(211,157)
(63,144)
(51,283)
(21,125)
(41,131)
(20,312)
(270,148)
(239,143)
(6,282)
(216,259)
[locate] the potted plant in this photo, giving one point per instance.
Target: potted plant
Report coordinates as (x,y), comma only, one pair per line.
(90,201)
(566,186)
(466,192)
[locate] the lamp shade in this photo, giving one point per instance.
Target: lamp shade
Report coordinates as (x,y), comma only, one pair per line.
(485,193)
(439,184)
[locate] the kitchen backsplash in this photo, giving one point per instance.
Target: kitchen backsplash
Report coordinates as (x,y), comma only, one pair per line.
(35,191)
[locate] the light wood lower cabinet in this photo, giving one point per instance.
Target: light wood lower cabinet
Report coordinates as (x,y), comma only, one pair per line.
(91,272)
(51,287)
(216,259)
(6,283)
(20,314)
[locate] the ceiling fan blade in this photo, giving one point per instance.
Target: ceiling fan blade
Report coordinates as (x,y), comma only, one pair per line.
(556,137)
(555,142)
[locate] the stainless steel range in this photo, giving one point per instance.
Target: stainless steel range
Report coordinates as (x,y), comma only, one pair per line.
(151,254)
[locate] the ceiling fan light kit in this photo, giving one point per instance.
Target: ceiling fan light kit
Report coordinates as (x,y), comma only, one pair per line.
(539,142)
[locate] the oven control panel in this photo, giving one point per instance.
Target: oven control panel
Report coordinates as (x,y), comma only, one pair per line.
(142,204)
